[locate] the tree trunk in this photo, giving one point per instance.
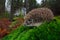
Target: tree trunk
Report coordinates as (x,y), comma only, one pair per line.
(2,8)
(15,5)
(12,10)
(27,5)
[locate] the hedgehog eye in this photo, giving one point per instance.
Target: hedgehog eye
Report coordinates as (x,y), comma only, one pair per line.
(29,20)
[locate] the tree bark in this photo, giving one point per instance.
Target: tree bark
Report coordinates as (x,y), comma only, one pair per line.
(27,5)
(15,5)
(2,7)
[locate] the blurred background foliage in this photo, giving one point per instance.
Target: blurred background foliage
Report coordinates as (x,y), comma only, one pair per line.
(11,6)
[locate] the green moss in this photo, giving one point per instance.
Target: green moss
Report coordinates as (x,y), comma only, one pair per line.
(46,31)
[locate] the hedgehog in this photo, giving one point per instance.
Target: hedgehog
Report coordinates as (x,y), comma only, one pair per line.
(38,15)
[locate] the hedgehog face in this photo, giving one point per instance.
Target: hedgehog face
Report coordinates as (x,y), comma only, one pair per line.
(28,21)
